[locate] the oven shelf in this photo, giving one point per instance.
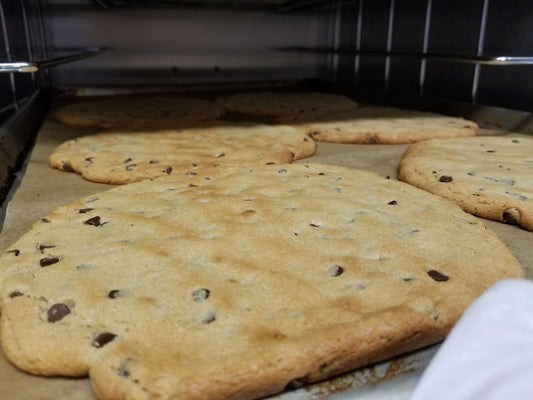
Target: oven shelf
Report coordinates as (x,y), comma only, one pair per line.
(34,66)
(482,59)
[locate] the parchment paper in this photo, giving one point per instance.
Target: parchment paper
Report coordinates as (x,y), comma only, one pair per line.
(43,188)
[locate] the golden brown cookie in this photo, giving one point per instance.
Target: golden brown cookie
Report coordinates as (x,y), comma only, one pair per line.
(138,112)
(491,177)
(121,157)
(384,125)
(282,105)
(236,283)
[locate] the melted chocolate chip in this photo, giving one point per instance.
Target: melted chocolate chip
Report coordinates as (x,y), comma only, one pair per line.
(408,279)
(45,220)
(200,295)
(102,339)
(45,262)
(67,167)
(44,246)
(270,163)
(127,160)
(221,155)
(445,179)
(295,384)
(511,216)
(305,139)
(335,270)
(113,294)
(437,276)
(94,221)
(15,293)
(85,210)
(392,203)
(57,312)
(16,252)
(314,225)
(168,170)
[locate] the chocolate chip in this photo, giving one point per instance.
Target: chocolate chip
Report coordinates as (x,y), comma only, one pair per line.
(295,384)
(16,252)
(315,225)
(127,160)
(321,174)
(316,132)
(89,160)
(511,216)
(490,151)
(282,171)
(57,312)
(154,161)
(168,170)
(270,163)
(392,203)
(102,339)
(45,262)
(305,139)
(437,276)
(200,295)
(221,155)
(123,371)
(67,167)
(94,221)
(210,318)
(335,270)
(192,185)
(15,293)
(45,220)
(44,246)
(445,178)
(515,141)
(113,294)
(130,167)
(408,279)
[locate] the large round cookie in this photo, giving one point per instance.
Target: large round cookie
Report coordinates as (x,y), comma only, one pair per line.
(491,177)
(237,283)
(282,105)
(120,158)
(383,125)
(138,112)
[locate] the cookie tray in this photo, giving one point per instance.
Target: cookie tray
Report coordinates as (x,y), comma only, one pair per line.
(41,189)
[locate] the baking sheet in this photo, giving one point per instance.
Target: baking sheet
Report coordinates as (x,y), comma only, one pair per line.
(42,188)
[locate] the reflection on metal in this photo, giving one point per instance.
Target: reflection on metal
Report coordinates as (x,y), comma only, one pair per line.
(34,66)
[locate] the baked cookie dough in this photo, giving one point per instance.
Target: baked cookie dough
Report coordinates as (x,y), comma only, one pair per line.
(283,105)
(120,157)
(491,177)
(138,112)
(386,125)
(236,283)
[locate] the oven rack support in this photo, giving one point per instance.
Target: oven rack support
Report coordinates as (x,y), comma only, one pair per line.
(34,66)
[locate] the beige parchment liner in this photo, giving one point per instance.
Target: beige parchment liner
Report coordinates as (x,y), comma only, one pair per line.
(43,188)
